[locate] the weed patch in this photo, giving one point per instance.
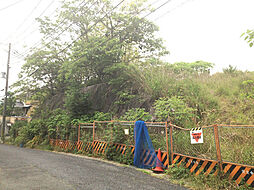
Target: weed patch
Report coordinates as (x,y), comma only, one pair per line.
(182,176)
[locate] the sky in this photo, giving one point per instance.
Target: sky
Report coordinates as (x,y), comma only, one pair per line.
(192,30)
(209,30)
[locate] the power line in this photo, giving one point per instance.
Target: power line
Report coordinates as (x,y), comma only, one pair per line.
(36,6)
(52,38)
(30,33)
(16,54)
(81,34)
(23,54)
(15,3)
(157,8)
(96,24)
(169,11)
(21,24)
(61,23)
(37,43)
(133,17)
(90,28)
(48,6)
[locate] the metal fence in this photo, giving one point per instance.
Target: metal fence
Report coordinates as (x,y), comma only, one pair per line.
(181,143)
(122,132)
(230,143)
(237,143)
(225,148)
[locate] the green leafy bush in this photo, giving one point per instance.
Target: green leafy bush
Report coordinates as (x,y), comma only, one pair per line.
(35,141)
(112,154)
(174,109)
(32,129)
(101,116)
(15,128)
(178,172)
(59,124)
(135,114)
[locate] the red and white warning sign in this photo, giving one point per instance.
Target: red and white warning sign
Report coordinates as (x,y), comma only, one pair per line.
(196,135)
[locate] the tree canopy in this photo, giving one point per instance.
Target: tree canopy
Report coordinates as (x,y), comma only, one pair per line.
(98,56)
(91,42)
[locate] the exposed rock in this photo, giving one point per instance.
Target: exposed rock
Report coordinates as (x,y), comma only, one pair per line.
(101,97)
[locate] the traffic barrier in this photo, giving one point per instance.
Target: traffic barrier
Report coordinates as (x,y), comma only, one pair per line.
(208,158)
(237,172)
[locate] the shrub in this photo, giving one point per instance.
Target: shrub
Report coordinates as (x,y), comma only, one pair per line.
(16,127)
(173,108)
(178,172)
(136,114)
(35,141)
(101,116)
(112,154)
(59,124)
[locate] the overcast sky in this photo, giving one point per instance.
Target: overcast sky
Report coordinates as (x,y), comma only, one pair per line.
(210,30)
(193,30)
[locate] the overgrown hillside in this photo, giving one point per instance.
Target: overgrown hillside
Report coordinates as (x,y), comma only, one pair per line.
(107,65)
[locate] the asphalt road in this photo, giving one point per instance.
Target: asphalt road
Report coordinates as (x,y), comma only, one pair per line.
(29,169)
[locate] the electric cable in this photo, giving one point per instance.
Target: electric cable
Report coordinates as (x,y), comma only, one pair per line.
(33,31)
(37,43)
(1,9)
(81,35)
(28,16)
(157,8)
(141,18)
(48,6)
(171,10)
(90,27)
(106,40)
(53,38)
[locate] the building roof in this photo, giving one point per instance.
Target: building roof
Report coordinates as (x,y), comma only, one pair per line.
(20,104)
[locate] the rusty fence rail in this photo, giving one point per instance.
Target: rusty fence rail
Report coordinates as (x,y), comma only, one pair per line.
(227,149)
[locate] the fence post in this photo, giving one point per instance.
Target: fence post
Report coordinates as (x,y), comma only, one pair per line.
(93,130)
(217,144)
(78,133)
(166,131)
(112,126)
(171,143)
(57,133)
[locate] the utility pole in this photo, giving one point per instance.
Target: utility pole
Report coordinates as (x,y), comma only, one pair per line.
(6,94)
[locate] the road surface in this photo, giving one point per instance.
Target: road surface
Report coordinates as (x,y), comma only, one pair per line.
(30,169)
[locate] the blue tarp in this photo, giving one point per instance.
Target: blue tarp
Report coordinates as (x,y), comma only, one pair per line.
(144,154)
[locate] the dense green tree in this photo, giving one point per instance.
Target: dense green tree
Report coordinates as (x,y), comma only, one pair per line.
(173,109)
(98,43)
(198,67)
(10,106)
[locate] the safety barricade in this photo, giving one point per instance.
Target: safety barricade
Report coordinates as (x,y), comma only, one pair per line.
(208,158)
